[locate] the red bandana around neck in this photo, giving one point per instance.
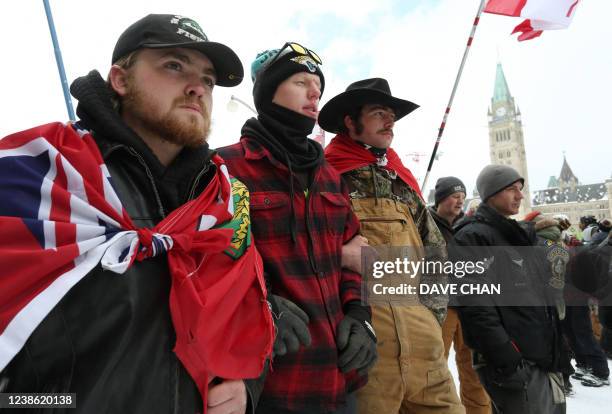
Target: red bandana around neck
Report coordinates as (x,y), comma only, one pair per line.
(344,154)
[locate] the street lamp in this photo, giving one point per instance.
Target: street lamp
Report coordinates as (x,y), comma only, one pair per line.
(232,105)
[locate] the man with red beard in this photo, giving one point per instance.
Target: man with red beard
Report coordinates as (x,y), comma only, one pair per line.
(110,338)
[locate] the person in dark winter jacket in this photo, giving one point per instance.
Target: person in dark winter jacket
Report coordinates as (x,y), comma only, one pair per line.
(588,227)
(516,348)
(447,211)
(606,331)
(603,226)
(449,197)
(590,272)
(549,232)
(110,339)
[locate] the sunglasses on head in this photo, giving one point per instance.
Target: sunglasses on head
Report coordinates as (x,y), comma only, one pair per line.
(297,48)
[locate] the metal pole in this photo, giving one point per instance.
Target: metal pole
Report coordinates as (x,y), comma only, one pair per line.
(235,98)
(450,102)
(59,61)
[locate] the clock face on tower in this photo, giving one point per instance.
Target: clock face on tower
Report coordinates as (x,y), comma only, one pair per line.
(500,111)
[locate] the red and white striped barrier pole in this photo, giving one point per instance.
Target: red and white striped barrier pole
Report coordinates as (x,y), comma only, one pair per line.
(450,101)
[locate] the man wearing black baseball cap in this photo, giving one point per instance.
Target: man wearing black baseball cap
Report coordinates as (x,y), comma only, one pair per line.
(118,341)
(163,31)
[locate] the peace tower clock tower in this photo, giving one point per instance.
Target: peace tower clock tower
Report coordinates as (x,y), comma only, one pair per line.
(506,142)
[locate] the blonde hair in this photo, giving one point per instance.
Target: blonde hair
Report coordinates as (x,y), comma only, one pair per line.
(472,207)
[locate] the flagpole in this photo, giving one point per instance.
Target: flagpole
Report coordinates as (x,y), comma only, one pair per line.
(452,97)
(59,61)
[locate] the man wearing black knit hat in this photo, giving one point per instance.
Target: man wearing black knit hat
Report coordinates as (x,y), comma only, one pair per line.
(447,211)
(449,195)
(515,336)
(301,219)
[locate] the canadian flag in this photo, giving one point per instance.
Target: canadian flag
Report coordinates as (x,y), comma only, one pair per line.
(541,14)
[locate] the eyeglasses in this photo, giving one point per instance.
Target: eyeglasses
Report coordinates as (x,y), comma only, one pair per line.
(297,48)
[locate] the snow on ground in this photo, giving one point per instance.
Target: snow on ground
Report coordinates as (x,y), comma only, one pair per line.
(586,400)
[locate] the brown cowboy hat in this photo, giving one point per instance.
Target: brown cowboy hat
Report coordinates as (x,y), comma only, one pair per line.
(363,92)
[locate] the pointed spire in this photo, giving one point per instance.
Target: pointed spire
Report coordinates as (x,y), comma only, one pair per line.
(501,91)
(567,175)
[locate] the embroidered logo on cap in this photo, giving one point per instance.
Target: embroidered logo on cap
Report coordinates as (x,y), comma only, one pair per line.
(306,61)
(189,28)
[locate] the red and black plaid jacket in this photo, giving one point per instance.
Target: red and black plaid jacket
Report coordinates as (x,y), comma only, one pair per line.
(309,380)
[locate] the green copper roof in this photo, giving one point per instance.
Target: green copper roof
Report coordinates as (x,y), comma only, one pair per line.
(501,92)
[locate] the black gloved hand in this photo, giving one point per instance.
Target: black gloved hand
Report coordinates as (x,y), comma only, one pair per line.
(291,325)
(506,358)
(356,346)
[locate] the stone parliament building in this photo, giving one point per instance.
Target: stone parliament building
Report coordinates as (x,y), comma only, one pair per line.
(565,194)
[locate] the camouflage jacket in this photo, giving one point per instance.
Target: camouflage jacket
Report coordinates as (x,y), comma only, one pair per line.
(377,182)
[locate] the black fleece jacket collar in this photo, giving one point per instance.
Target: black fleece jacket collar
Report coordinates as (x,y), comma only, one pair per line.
(515,233)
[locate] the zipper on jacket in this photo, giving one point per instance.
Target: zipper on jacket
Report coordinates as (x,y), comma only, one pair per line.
(151,179)
(196,181)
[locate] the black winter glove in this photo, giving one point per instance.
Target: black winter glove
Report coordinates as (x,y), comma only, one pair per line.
(291,326)
(357,347)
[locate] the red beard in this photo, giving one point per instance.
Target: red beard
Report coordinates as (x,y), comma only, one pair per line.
(192,132)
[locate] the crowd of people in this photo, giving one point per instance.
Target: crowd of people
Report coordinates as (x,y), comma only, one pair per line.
(233,280)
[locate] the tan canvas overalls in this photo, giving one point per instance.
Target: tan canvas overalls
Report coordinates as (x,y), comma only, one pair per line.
(411,374)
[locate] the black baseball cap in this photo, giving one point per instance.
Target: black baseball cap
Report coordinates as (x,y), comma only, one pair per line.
(157,31)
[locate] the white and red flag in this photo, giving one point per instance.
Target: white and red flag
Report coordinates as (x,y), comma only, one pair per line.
(540,14)
(60,217)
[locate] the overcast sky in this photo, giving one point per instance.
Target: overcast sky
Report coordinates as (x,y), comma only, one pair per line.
(562,81)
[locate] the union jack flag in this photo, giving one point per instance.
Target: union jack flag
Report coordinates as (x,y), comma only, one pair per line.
(60,217)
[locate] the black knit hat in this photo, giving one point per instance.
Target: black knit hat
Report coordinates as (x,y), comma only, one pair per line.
(269,69)
(445,186)
(495,178)
(158,31)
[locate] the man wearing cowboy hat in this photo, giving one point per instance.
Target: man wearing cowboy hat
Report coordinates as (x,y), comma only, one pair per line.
(411,374)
